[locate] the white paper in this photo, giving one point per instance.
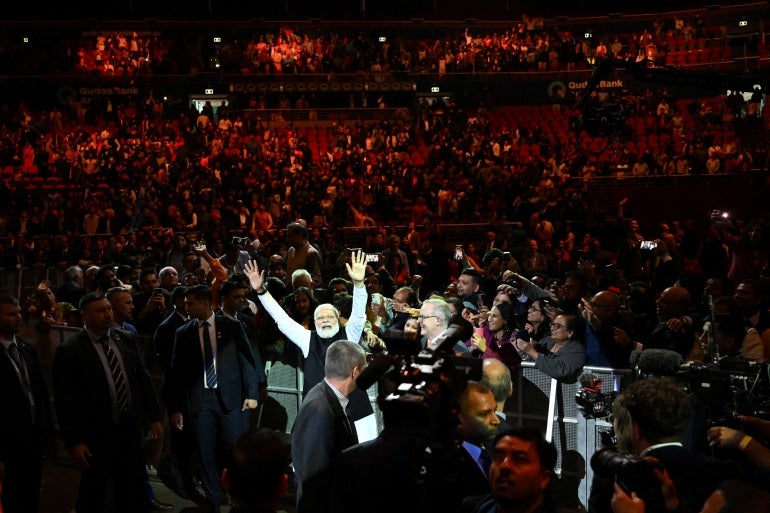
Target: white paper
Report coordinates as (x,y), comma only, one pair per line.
(366,428)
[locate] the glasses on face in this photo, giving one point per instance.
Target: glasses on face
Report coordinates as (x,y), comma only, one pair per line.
(556,326)
(534,309)
(324,318)
(423,317)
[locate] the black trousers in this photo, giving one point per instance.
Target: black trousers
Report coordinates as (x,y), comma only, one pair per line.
(116,456)
(23,472)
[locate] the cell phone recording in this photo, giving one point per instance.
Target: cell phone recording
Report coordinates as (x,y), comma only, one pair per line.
(648,245)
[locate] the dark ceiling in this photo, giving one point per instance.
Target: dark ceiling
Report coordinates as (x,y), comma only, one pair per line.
(371,10)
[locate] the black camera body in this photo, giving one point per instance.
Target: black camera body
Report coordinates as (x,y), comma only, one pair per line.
(631,473)
(419,386)
(731,387)
(595,404)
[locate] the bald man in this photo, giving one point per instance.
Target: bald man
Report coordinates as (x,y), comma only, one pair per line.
(606,337)
(497,376)
(675,330)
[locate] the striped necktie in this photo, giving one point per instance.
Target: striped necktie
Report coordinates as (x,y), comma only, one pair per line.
(121,387)
(208,357)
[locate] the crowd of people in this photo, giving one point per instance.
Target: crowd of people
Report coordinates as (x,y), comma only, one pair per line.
(529,45)
(215,239)
(252,306)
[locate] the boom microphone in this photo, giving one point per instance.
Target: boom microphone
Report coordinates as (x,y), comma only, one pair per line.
(458,329)
(656,362)
(590,381)
(375,371)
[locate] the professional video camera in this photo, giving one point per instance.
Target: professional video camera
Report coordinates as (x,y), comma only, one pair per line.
(730,387)
(631,473)
(591,401)
(418,386)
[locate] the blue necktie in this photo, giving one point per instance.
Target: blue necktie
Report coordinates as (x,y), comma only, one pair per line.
(485,460)
(208,357)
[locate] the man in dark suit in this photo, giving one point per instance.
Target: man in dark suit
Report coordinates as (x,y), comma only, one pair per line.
(26,425)
(182,442)
(477,428)
(650,416)
(104,394)
(233,296)
(520,473)
(122,307)
(213,373)
(322,429)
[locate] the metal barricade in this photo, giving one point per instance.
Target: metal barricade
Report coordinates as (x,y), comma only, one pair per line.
(284,385)
(549,405)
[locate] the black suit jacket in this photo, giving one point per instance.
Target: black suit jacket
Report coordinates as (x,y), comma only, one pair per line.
(320,433)
(18,429)
(82,391)
(163,339)
(471,480)
(238,377)
(164,346)
(394,472)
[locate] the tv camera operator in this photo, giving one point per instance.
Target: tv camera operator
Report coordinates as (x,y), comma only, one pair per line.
(650,417)
(417,453)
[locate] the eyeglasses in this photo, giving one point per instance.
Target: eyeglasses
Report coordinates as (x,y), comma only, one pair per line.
(534,309)
(323,318)
(423,317)
(556,326)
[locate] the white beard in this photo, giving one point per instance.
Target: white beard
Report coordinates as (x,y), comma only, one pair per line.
(329,332)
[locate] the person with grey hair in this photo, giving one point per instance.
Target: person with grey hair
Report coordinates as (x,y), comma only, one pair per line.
(301,278)
(434,318)
(71,289)
(323,429)
(169,278)
(314,343)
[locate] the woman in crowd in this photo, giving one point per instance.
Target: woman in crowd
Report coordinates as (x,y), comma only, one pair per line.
(558,355)
(44,306)
(538,323)
(398,270)
(494,338)
(301,306)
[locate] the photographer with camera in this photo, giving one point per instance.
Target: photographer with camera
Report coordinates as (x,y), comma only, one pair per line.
(650,417)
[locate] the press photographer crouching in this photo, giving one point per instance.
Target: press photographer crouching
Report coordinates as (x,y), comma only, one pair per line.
(650,417)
